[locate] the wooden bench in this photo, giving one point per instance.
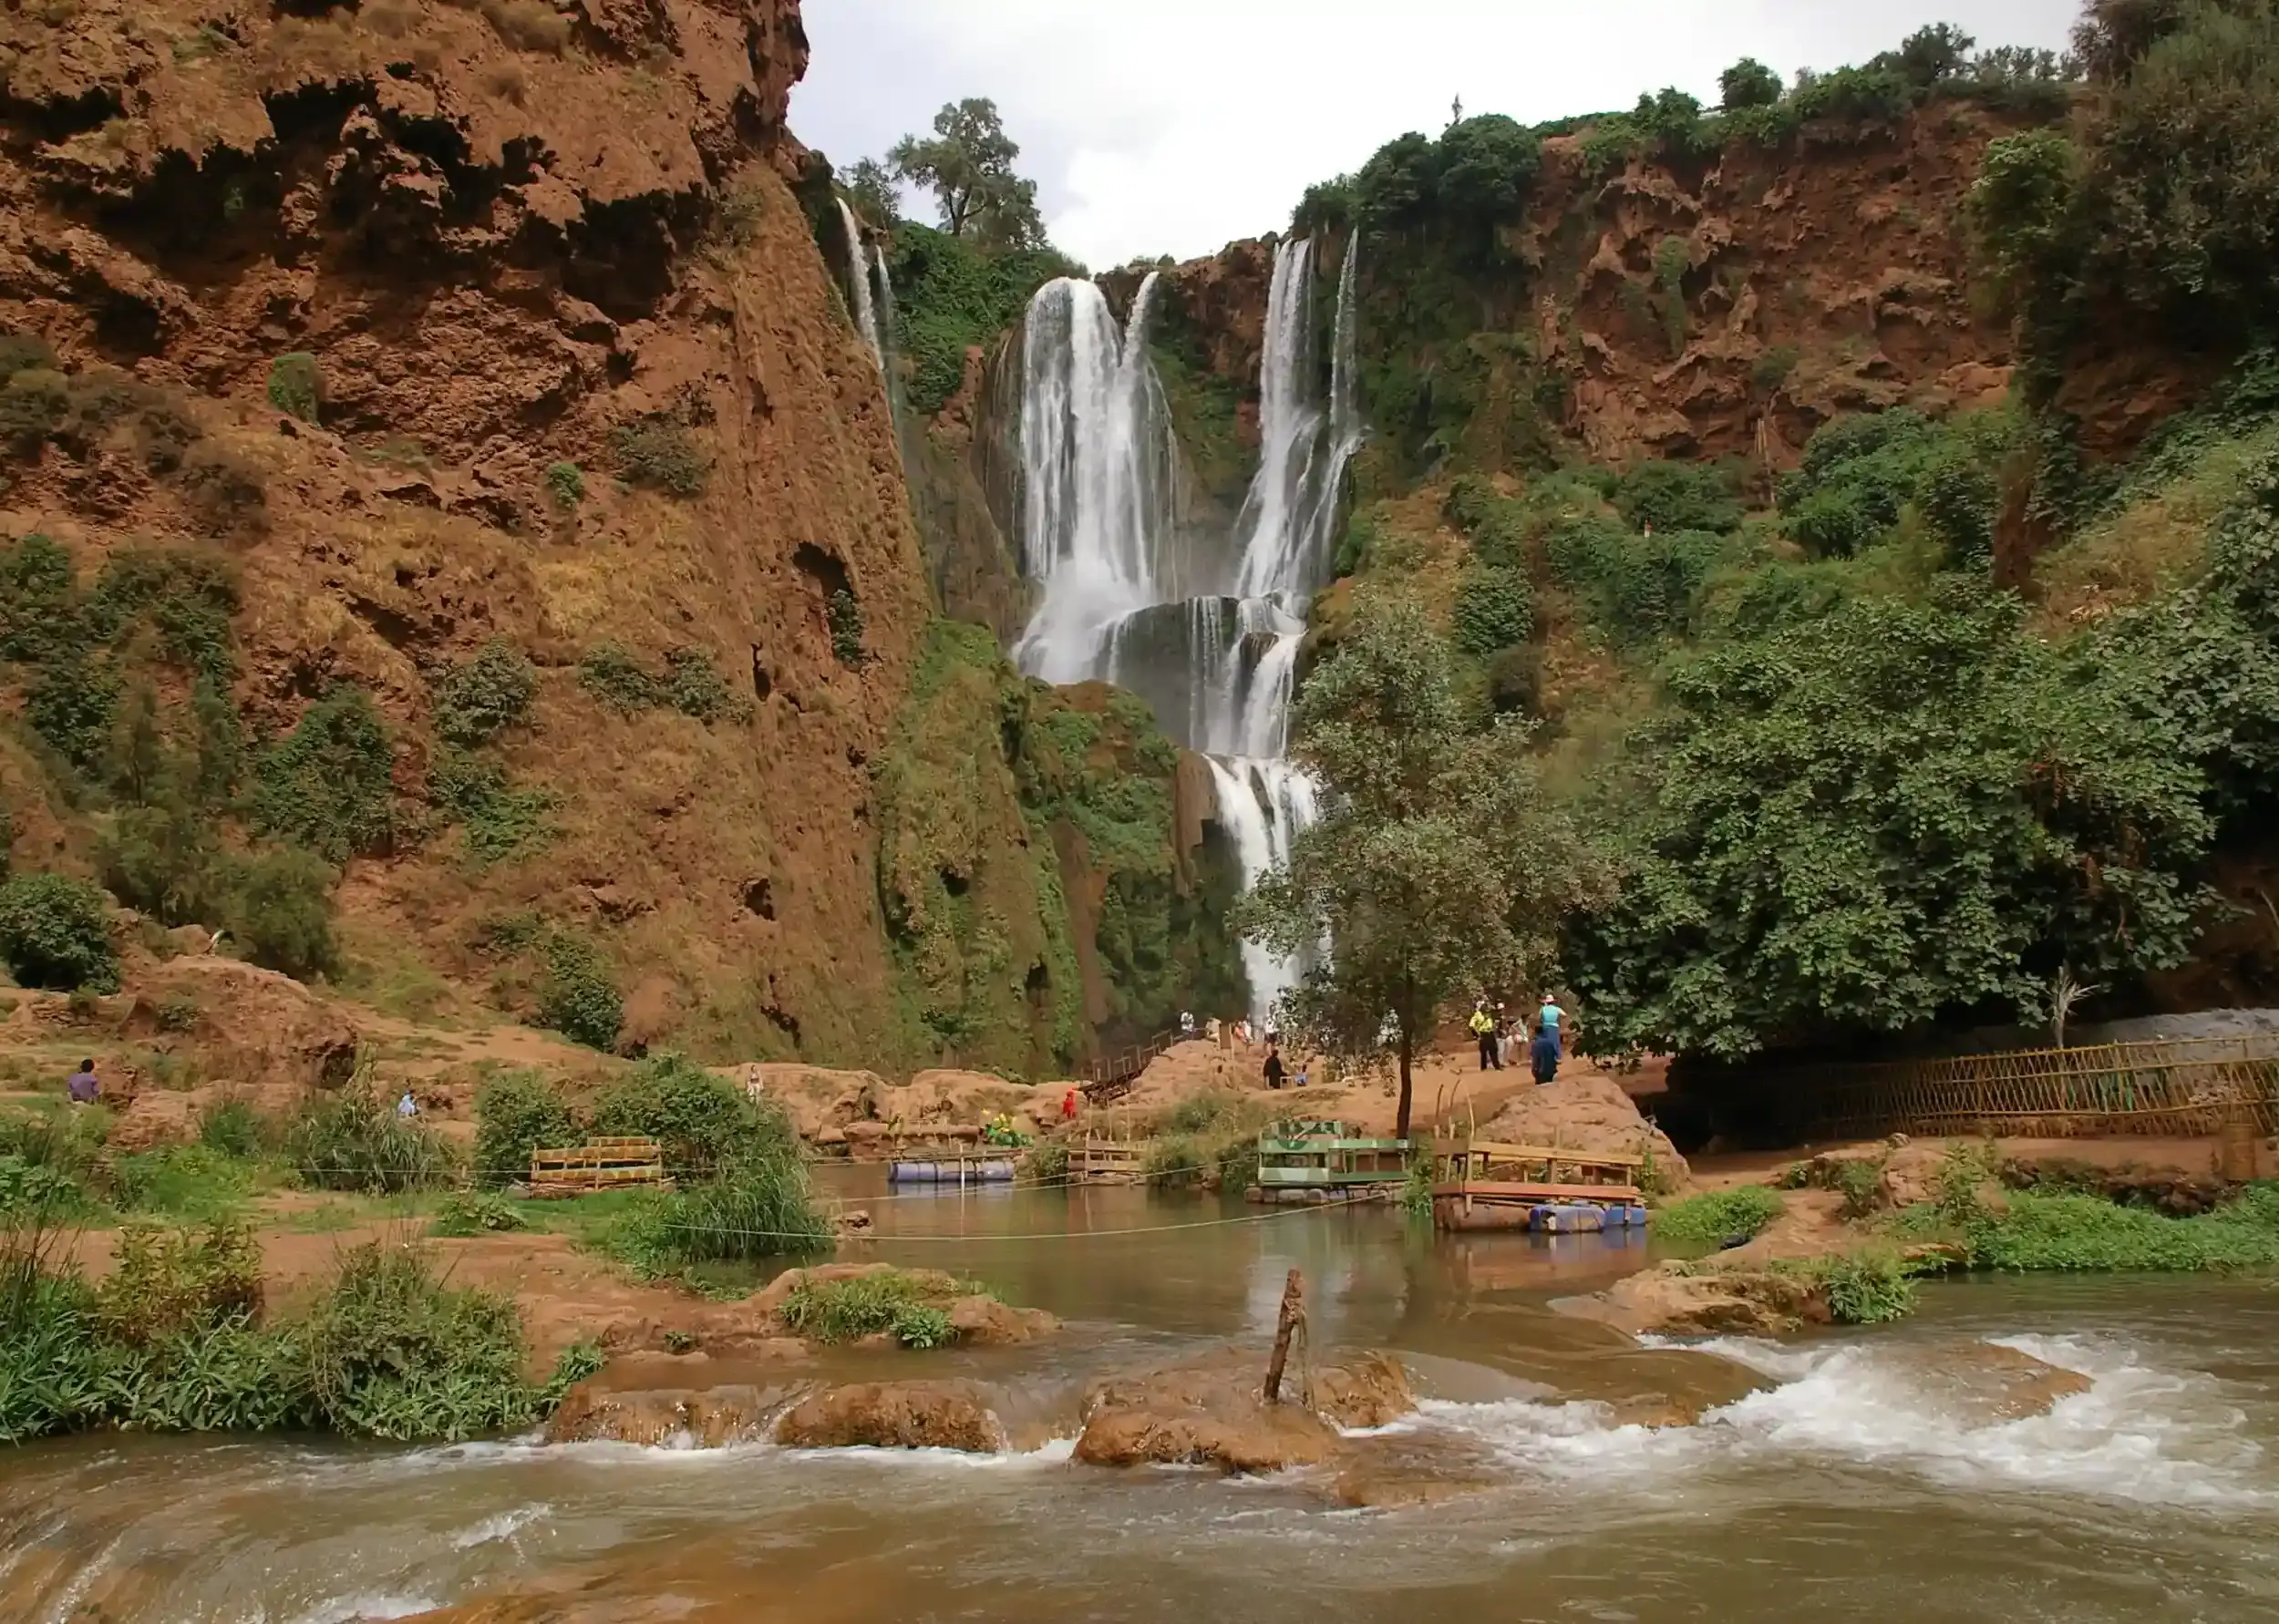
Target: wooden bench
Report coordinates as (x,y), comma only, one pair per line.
(603,1164)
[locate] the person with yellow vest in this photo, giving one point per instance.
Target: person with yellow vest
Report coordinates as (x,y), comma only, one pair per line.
(1483,1027)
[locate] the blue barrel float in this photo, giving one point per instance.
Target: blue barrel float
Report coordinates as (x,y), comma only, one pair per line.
(950,1172)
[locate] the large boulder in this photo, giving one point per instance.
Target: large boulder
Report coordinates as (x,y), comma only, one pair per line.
(1585,1109)
(894,1415)
(1677,1299)
(708,1417)
(1211,1412)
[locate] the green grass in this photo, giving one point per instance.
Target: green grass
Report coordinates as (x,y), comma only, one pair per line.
(846,1310)
(1716,1217)
(2085,1233)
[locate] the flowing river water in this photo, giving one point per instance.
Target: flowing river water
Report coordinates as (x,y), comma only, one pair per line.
(1850,1485)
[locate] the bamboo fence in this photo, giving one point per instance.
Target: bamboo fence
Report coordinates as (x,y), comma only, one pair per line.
(2187,1089)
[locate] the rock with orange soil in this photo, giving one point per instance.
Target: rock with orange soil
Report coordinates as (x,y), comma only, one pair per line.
(1211,1412)
(863,1109)
(1986,1383)
(634,1401)
(1584,1108)
(894,1415)
(984,1322)
(1706,1302)
(817,1099)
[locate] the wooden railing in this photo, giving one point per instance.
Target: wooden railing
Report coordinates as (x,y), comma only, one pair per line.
(2186,1088)
(1112,1075)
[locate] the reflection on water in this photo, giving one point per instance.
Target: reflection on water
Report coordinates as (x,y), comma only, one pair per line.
(1852,1485)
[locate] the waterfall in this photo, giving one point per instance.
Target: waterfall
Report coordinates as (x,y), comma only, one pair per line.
(859,281)
(1211,643)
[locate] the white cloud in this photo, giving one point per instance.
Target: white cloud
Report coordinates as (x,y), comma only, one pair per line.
(1179,125)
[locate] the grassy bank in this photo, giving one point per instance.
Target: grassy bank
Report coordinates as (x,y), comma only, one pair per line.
(178,1338)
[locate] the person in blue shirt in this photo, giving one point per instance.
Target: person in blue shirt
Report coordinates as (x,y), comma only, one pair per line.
(1548,1019)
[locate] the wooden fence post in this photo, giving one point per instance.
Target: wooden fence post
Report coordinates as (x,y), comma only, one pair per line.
(1292,1315)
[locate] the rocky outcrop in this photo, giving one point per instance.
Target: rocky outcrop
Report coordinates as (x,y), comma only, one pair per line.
(1210,1412)
(1684,1300)
(894,1415)
(710,1417)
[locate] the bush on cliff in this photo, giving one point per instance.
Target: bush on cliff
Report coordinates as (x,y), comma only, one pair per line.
(55,932)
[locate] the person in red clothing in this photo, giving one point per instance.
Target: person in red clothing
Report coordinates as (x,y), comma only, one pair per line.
(1068,1106)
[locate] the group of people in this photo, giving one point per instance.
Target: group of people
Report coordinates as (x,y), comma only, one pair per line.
(1499,1034)
(1224,1034)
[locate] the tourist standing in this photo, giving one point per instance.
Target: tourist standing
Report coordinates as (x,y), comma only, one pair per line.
(1548,1021)
(1544,1055)
(1483,1027)
(1273,1066)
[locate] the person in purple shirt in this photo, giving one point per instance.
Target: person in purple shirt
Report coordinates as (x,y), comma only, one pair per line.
(86,1090)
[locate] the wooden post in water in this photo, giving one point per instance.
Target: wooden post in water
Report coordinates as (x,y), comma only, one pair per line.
(1293,1316)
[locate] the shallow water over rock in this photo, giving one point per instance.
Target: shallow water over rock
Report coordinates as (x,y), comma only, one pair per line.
(2084,1450)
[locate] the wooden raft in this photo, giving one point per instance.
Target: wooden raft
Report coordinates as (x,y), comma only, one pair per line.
(1107,1161)
(1484,1184)
(597,1164)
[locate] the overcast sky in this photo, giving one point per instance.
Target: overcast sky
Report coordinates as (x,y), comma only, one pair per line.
(1177,126)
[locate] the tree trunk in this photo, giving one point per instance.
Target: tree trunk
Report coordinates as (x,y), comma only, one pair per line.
(1400,1125)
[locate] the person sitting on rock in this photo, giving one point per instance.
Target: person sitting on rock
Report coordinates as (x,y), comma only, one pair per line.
(85,1087)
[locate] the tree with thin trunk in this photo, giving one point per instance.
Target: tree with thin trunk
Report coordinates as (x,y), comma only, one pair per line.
(1438,867)
(968,167)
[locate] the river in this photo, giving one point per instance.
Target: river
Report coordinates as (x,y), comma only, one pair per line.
(1849,1487)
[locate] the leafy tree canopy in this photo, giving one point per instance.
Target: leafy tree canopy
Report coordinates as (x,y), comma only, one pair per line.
(1749,83)
(874,191)
(968,167)
(1438,867)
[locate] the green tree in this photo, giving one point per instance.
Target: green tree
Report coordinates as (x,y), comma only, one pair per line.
(55,933)
(968,167)
(1894,814)
(873,192)
(1749,83)
(1933,55)
(1437,868)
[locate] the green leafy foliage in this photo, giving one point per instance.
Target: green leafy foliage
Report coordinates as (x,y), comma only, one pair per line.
(658,453)
(565,482)
(968,166)
(328,785)
(55,932)
(279,909)
(232,1126)
(1475,177)
(1876,818)
(480,698)
(516,1113)
(2082,1232)
(354,1140)
(1495,608)
(464,1214)
(844,615)
(1859,474)
(702,1120)
(888,1299)
(296,386)
(1749,83)
(1638,587)
(579,997)
(1716,1217)
(952,296)
(1434,861)
(1678,495)
(691,685)
(500,822)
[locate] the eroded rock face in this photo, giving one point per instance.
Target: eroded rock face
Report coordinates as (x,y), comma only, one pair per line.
(704,1418)
(894,1415)
(1210,1412)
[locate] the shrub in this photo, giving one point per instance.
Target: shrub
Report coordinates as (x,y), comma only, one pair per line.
(1718,1216)
(280,910)
(529,25)
(225,491)
(703,1122)
(186,1181)
(2084,1232)
(233,1128)
(845,1309)
(755,1206)
(1867,1288)
(1749,83)
(55,932)
(31,1191)
(32,406)
(1045,1164)
(1678,495)
(500,822)
(296,386)
(352,1140)
(579,999)
(693,686)
(73,706)
(844,616)
(657,452)
(1515,680)
(618,680)
(480,698)
(516,1113)
(464,1214)
(565,482)
(165,1282)
(1495,608)
(329,784)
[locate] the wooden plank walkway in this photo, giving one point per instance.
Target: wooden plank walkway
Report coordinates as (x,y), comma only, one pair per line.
(601,1164)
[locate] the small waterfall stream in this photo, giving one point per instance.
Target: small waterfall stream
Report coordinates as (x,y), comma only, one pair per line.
(1211,643)
(860,269)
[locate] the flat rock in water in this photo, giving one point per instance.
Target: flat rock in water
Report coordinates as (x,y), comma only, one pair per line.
(701,1418)
(1705,1302)
(894,1415)
(1211,1412)
(1986,1383)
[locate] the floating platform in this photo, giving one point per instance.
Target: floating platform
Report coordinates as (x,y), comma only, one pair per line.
(1317,1157)
(1107,1161)
(952,1170)
(1551,1189)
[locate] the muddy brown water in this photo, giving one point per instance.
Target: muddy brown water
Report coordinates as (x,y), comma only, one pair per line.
(1848,1485)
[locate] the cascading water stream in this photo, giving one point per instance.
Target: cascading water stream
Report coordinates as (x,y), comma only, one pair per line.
(1211,643)
(858,283)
